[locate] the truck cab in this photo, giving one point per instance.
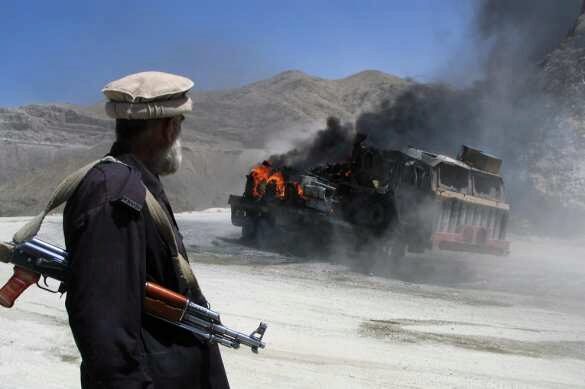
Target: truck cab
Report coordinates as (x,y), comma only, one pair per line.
(452,204)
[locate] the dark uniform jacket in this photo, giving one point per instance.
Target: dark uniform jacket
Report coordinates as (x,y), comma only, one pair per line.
(115,247)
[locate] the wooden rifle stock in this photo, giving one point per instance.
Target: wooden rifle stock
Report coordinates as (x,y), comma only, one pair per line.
(164,303)
(18,283)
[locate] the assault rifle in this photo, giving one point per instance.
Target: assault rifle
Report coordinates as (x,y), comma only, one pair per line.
(34,259)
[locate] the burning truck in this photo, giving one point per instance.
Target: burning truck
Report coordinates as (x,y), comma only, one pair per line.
(396,200)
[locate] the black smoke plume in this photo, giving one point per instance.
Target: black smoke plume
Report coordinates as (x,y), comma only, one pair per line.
(332,144)
(505,106)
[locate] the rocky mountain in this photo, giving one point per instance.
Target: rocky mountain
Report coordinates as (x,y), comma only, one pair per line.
(33,136)
(291,101)
(227,132)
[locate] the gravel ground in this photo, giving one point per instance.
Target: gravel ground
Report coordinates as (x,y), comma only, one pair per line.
(433,321)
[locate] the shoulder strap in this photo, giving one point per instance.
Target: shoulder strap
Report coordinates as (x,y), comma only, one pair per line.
(62,193)
(166,230)
(65,190)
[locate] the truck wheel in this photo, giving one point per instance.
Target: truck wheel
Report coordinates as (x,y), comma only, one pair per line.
(264,233)
(249,231)
(375,212)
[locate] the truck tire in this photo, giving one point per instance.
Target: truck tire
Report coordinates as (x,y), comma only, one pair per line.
(375,212)
(249,231)
(264,233)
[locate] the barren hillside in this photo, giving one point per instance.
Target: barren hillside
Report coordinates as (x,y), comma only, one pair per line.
(224,135)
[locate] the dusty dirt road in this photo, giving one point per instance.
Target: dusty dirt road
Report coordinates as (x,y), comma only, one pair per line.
(432,321)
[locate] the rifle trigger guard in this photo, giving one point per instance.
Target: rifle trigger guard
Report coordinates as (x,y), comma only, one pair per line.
(46,287)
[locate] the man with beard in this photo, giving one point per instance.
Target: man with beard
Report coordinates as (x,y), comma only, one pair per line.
(115,247)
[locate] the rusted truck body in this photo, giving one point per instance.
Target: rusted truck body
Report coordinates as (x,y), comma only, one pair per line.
(405,200)
(451,204)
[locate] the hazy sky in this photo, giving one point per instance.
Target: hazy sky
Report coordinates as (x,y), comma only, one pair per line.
(65,51)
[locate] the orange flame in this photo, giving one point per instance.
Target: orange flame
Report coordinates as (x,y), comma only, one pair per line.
(300,190)
(277,179)
(263,175)
(260,175)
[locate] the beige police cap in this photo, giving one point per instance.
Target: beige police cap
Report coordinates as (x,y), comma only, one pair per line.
(148,95)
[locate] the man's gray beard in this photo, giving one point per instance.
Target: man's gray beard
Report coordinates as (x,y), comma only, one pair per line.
(169,160)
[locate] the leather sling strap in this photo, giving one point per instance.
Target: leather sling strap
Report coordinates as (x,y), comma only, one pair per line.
(65,190)
(61,194)
(168,234)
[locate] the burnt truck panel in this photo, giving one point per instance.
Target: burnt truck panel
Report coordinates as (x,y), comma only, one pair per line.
(410,199)
(466,205)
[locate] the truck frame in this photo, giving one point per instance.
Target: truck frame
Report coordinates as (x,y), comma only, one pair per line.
(404,200)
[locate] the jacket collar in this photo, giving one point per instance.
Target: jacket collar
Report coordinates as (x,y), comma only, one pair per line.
(152,181)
